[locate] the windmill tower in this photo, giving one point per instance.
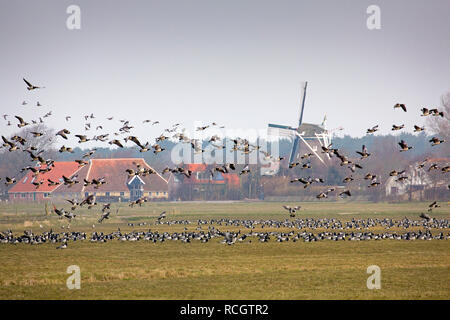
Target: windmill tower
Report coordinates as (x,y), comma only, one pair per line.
(317,135)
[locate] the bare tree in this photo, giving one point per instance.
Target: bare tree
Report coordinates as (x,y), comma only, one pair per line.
(12,162)
(441,125)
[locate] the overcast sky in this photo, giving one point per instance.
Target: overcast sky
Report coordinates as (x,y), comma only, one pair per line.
(238,63)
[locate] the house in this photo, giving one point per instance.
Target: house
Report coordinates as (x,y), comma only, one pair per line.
(422,183)
(119,185)
(201,185)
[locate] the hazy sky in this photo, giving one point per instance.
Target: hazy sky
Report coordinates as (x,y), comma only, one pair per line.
(238,63)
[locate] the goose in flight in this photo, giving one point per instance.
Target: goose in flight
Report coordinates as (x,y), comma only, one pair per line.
(59,212)
(162,215)
(394,173)
(400,105)
(348,179)
(245,170)
(89,200)
(418,129)
(425,216)
(81,163)
(63,133)
(395,127)
(66,149)
(425,112)
(82,138)
(435,112)
(70,182)
(116,142)
(373,184)
(372,130)
(345,193)
(30,86)
(292,210)
(88,154)
(435,141)
(10,181)
(52,183)
(404,146)
(12,146)
(104,216)
(21,123)
(36,134)
(432,206)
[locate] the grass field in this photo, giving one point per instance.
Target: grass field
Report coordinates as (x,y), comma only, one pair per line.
(174,270)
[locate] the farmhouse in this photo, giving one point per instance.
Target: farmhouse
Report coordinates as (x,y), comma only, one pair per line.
(118,187)
(422,183)
(201,185)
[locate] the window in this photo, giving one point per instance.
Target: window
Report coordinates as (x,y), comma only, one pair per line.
(25,180)
(122,194)
(157,193)
(107,194)
(24,195)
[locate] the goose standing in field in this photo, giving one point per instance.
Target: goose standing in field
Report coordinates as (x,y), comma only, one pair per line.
(63,245)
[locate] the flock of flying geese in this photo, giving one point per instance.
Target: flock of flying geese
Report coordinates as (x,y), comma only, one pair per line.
(17,142)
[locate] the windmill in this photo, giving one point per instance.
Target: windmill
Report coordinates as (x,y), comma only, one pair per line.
(323,137)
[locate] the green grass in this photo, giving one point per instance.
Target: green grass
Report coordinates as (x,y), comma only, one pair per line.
(174,270)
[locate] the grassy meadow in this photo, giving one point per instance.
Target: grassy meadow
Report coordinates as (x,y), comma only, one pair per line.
(174,270)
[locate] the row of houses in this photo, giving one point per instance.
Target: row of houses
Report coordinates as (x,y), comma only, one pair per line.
(200,185)
(119,185)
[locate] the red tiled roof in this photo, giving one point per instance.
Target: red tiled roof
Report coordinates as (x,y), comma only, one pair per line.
(194,167)
(67,168)
(113,170)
